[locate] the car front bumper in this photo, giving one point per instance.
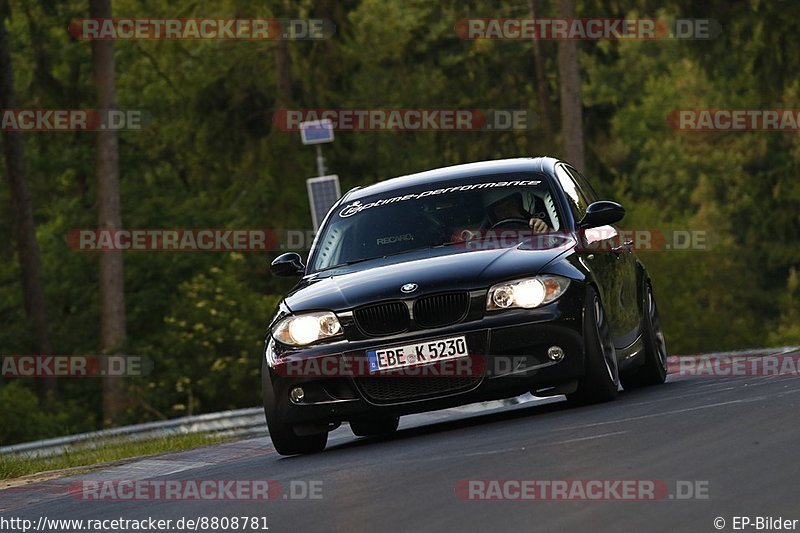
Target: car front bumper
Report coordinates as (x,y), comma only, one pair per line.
(508,356)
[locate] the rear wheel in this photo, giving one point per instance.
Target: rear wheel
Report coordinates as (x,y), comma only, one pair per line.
(654,369)
(601,380)
(373,427)
(283,435)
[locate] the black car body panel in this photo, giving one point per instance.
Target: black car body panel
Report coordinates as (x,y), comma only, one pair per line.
(509,347)
(348,287)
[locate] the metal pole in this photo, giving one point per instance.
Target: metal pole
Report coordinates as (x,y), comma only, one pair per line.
(320,162)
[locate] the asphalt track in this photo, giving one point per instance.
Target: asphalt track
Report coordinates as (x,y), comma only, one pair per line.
(736,436)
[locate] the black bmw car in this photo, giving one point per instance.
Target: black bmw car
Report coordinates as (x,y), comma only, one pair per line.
(457,285)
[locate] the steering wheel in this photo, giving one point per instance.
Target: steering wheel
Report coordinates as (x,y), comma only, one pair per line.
(507,221)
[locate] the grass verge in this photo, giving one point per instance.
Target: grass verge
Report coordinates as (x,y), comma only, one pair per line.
(13,466)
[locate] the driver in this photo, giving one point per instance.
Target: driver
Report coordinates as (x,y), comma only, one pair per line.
(511,207)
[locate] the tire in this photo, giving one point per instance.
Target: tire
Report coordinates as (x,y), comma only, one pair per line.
(374,427)
(654,369)
(601,379)
(284,438)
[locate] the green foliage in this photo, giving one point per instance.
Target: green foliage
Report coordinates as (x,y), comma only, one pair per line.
(24,418)
(788,330)
(207,353)
(210,156)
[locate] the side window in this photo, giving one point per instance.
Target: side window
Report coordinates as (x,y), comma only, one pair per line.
(575,198)
(583,185)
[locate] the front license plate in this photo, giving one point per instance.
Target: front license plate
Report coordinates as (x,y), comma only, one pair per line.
(422,353)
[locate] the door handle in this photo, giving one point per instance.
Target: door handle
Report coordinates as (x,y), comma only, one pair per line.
(624,247)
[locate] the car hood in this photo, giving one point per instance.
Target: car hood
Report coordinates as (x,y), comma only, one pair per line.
(433,270)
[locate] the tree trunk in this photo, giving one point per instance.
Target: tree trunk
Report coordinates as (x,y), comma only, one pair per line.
(112,281)
(570,85)
(284,94)
(283,74)
(542,87)
(24,226)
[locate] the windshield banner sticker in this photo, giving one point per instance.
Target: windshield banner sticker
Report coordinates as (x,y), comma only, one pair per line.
(357,206)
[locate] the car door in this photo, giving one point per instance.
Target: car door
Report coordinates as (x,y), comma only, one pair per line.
(618,248)
(591,244)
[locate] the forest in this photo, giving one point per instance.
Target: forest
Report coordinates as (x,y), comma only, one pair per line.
(213,151)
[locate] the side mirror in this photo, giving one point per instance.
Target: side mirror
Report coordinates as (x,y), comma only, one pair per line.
(288,264)
(601,213)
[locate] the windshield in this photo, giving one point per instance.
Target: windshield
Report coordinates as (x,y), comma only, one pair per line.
(409,219)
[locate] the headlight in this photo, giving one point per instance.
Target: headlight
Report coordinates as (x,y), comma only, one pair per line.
(526,293)
(300,330)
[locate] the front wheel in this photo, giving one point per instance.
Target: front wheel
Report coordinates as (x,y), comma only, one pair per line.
(283,436)
(654,369)
(601,380)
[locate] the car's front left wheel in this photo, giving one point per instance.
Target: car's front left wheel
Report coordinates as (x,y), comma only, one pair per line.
(283,435)
(601,379)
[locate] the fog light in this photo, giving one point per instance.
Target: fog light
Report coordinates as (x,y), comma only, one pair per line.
(297,394)
(555,353)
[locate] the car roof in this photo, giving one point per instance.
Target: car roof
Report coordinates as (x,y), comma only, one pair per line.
(482,168)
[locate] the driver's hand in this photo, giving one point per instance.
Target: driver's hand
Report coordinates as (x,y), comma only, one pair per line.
(538,225)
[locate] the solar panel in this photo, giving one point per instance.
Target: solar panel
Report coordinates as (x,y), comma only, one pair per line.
(322,194)
(316,131)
